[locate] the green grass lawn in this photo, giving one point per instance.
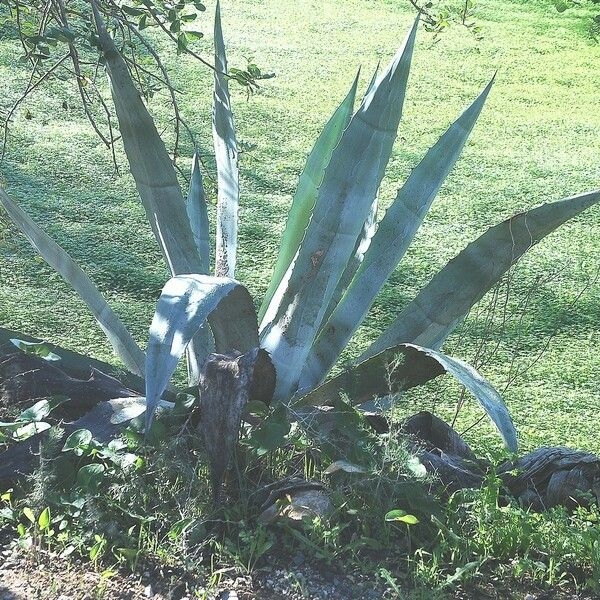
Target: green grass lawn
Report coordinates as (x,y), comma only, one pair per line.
(538,140)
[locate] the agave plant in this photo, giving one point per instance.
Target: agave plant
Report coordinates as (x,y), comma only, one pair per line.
(334,256)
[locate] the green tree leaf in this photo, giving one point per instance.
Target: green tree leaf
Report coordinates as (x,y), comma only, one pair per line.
(401,516)
(89,477)
(28,513)
(78,439)
(40,349)
(44,519)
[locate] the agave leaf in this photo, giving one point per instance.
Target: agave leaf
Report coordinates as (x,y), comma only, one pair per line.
(226,156)
(394,235)
(344,200)
(149,162)
(364,239)
(362,245)
(197,352)
(198,215)
(185,303)
(373,80)
(40,349)
(202,344)
(448,297)
(393,370)
(132,408)
(405,366)
(118,336)
(306,192)
(154,176)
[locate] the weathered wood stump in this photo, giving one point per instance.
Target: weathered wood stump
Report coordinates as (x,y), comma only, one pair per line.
(539,480)
(550,477)
(226,383)
(444,452)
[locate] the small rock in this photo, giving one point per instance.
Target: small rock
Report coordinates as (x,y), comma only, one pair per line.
(530,597)
(304,503)
(178,592)
(228,595)
(148,591)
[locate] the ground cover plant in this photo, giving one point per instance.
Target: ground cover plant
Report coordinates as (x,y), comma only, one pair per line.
(293,384)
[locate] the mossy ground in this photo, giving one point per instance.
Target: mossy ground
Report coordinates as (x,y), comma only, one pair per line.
(537,140)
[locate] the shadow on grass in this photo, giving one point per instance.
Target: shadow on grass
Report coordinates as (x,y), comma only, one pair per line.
(118,266)
(6,594)
(99,247)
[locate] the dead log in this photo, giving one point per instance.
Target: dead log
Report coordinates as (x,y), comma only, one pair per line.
(539,480)
(76,365)
(91,392)
(443,452)
(549,477)
(21,459)
(26,378)
(306,499)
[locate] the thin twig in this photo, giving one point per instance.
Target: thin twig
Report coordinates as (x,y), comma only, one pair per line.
(30,88)
(79,78)
(187,50)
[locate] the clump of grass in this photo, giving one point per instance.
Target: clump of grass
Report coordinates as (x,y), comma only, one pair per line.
(142,503)
(134,502)
(484,533)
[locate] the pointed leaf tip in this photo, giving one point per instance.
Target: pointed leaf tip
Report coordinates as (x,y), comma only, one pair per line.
(405,51)
(373,79)
(488,87)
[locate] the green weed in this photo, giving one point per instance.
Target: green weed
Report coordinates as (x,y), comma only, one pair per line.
(484,533)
